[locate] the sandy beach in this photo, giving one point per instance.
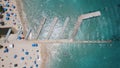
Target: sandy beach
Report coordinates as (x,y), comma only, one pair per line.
(23,54)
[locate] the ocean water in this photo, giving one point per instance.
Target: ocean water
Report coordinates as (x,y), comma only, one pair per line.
(105,27)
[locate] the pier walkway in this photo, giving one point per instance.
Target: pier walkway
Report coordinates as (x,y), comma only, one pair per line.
(71,41)
(52,27)
(64,26)
(80,19)
(40,27)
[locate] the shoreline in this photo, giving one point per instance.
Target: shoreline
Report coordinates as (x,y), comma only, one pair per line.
(20,10)
(43,55)
(43,47)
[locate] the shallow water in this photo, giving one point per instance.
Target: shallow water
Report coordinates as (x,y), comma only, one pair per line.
(105,27)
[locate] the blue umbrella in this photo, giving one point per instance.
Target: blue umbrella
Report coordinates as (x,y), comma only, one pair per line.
(13,6)
(36,45)
(33,45)
(36,65)
(8,14)
(7,5)
(22,58)
(5,9)
(15,56)
(6,50)
(26,53)
(7,18)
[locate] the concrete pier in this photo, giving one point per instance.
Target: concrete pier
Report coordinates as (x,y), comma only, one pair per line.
(19,32)
(89,15)
(28,34)
(7,35)
(40,27)
(52,27)
(71,41)
(64,26)
(82,17)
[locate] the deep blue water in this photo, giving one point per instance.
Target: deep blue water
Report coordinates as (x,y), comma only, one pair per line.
(105,27)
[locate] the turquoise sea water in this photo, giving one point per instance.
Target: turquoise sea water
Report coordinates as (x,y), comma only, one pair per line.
(105,27)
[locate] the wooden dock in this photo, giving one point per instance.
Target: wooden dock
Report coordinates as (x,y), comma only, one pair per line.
(64,26)
(80,19)
(40,27)
(52,27)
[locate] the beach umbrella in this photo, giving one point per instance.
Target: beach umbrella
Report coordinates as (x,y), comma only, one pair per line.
(26,53)
(22,58)
(33,45)
(5,9)
(7,5)
(7,14)
(15,56)
(13,6)
(6,50)
(36,65)
(36,45)
(7,18)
